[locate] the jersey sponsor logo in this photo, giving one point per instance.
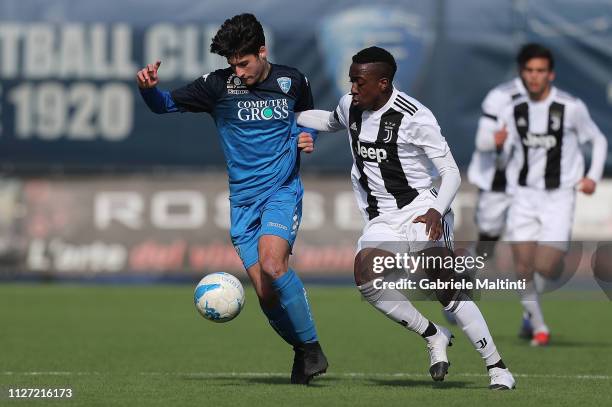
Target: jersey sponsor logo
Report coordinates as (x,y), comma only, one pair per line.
(535,140)
(254,110)
(235,86)
(371,152)
(284,83)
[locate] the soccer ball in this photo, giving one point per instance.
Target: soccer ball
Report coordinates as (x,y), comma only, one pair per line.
(219,297)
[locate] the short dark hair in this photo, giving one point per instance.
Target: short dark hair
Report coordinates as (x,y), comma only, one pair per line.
(377,55)
(238,36)
(533,50)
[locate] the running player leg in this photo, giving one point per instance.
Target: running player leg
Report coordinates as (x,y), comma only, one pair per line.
(491,214)
(556,217)
(392,302)
(280,220)
(245,229)
(465,311)
(524,228)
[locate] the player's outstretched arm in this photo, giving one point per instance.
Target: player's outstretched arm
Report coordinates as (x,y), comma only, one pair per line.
(147,77)
(157,101)
(321,120)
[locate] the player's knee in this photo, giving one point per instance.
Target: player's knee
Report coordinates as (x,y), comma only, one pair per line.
(358,272)
(524,269)
(551,270)
(437,271)
(363,267)
(272,267)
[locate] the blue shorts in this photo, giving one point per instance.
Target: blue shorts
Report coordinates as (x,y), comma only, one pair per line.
(279,215)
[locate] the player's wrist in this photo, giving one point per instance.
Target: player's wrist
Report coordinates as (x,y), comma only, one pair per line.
(438,210)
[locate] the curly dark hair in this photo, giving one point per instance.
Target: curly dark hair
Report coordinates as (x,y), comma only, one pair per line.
(238,36)
(533,50)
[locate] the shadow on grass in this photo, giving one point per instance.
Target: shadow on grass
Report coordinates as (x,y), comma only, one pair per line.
(331,381)
(423,383)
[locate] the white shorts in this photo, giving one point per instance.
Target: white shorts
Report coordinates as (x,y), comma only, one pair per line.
(541,216)
(394,231)
(491,212)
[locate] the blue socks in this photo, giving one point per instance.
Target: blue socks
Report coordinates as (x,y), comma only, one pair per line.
(291,318)
(279,320)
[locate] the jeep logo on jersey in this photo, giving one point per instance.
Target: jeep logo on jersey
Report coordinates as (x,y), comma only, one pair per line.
(371,152)
(409,36)
(251,110)
(535,140)
(284,83)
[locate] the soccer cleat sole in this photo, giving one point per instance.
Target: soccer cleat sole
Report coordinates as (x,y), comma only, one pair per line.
(438,371)
(320,371)
(501,387)
(305,380)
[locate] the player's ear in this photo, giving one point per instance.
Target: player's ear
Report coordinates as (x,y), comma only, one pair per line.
(263,52)
(383,84)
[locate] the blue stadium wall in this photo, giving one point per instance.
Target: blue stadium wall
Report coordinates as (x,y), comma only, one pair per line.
(68,98)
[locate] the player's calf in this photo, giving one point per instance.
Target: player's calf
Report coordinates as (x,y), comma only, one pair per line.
(486,245)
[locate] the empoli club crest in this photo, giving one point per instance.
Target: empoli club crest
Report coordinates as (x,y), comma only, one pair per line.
(284,83)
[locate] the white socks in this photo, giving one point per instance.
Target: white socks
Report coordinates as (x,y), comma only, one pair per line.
(473,324)
(531,304)
(395,306)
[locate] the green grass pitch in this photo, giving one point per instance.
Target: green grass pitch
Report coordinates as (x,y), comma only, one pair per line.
(147,346)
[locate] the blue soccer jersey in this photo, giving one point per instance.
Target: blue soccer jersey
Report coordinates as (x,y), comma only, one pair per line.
(256,125)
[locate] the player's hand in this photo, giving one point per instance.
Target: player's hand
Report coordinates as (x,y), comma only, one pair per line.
(305,142)
(500,137)
(587,186)
(433,223)
(147,76)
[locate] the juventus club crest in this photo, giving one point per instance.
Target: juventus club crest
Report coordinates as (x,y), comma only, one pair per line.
(389,130)
(284,83)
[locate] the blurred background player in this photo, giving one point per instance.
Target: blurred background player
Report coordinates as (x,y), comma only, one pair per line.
(396,143)
(487,169)
(488,172)
(546,128)
(253,104)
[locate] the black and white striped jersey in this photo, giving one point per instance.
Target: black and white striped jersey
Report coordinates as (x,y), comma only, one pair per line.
(546,136)
(392,150)
(487,169)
